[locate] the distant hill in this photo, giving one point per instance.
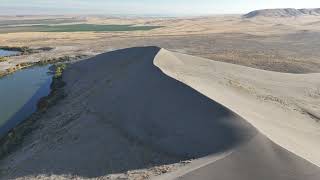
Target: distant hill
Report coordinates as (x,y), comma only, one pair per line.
(288,12)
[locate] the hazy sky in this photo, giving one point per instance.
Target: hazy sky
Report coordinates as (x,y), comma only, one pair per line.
(165,7)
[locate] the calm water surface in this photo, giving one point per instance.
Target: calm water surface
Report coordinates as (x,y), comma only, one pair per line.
(7,53)
(19,94)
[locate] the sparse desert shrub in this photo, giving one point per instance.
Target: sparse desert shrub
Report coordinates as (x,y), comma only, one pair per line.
(59,70)
(23,49)
(57,82)
(45,49)
(11,69)
(2,59)
(2,74)
(64,58)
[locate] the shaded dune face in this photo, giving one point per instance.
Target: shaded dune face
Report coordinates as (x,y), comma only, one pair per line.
(155,109)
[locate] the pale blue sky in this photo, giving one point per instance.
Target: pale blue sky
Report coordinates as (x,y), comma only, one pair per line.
(165,7)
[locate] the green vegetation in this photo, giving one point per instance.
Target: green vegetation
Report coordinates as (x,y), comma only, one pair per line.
(2,59)
(24,49)
(42,63)
(54,60)
(56,85)
(75,28)
(58,70)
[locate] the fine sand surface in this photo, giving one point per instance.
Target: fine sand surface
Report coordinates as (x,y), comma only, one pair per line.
(140,112)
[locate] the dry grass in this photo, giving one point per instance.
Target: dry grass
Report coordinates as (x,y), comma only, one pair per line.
(2,59)
(255,43)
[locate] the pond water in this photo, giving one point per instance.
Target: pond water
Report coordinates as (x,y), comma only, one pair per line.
(19,94)
(8,53)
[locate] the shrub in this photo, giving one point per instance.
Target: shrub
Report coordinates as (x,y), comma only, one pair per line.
(2,59)
(59,69)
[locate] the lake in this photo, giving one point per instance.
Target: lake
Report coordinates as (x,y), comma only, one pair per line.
(8,53)
(19,94)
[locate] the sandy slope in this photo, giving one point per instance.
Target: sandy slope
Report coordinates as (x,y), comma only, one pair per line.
(143,107)
(278,104)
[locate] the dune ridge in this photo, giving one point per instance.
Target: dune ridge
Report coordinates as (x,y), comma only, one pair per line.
(287,12)
(142,107)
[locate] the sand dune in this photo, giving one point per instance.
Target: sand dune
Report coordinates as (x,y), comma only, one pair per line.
(270,101)
(143,107)
(287,12)
(158,110)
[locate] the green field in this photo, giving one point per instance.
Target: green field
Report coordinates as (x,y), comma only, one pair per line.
(75,28)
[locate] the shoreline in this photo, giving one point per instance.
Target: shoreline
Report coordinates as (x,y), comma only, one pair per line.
(14,137)
(24,65)
(25,50)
